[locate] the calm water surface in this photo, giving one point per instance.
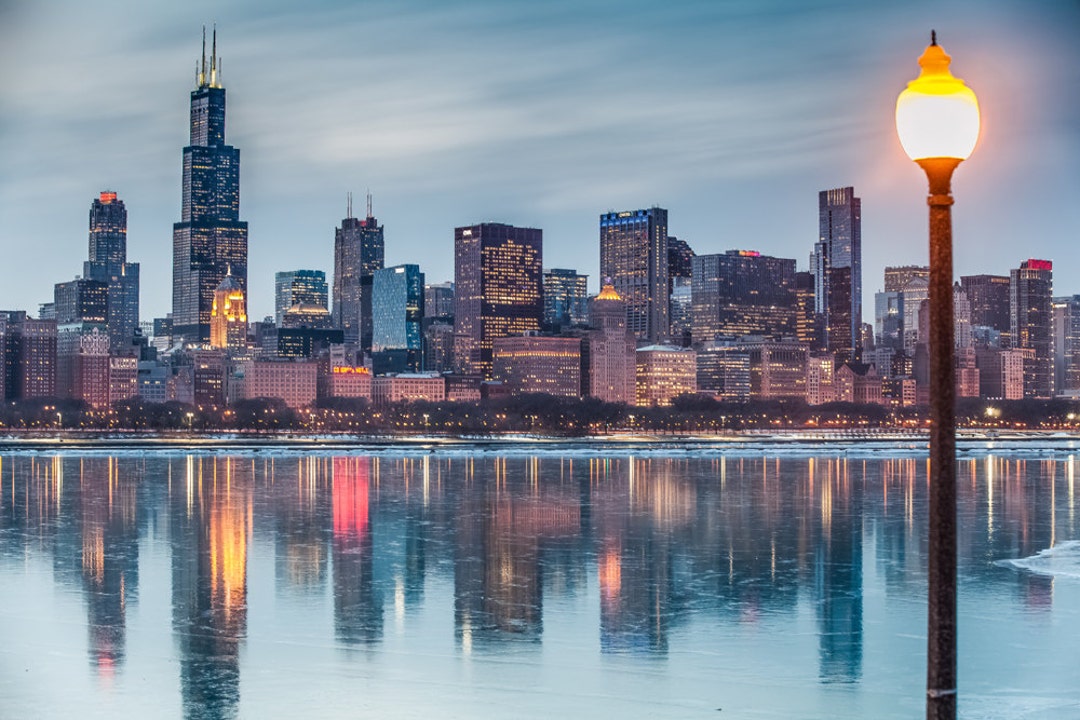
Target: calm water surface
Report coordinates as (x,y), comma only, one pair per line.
(488,585)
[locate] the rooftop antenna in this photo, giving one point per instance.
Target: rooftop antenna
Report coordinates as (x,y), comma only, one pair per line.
(213,59)
(369,203)
(202,71)
(348,205)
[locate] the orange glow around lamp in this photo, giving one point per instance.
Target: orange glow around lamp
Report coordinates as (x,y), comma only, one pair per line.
(937,119)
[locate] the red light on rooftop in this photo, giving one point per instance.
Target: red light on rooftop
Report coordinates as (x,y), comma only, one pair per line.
(749,253)
(1034,264)
(107,197)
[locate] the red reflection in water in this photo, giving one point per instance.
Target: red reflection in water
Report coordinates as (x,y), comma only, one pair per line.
(350,494)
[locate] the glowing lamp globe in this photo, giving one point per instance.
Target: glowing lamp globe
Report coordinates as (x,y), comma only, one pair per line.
(937,115)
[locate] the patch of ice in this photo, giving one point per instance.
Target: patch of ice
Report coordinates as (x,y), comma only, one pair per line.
(1059,561)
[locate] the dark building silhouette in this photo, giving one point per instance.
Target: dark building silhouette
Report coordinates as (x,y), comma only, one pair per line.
(837,267)
(358,253)
(497,290)
(989,298)
(634,255)
(210,238)
(108,263)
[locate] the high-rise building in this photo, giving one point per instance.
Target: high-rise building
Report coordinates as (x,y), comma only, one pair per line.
(228,316)
(609,361)
(81,300)
(961,318)
(210,239)
(497,290)
(294,287)
(723,371)
(912,296)
(108,263)
(397,312)
(889,319)
(896,277)
(566,297)
(30,350)
(1067,344)
(358,253)
(742,292)
(634,259)
(1031,291)
(989,298)
(807,320)
(439,300)
(837,266)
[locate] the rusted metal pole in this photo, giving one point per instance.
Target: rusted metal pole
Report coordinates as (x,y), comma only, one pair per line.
(941,600)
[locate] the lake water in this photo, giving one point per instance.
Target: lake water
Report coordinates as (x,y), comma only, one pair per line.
(751,582)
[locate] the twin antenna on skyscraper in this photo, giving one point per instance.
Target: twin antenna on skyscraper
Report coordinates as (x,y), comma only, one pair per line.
(213,78)
(348,204)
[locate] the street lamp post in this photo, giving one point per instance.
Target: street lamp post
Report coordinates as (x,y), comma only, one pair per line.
(937,119)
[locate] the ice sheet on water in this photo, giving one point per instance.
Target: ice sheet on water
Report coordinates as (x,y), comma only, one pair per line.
(1059,561)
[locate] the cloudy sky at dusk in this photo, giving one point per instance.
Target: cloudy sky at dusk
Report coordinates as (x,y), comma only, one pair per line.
(731,114)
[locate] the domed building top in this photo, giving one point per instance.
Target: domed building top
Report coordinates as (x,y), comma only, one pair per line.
(607,292)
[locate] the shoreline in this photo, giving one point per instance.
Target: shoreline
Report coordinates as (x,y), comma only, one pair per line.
(130,441)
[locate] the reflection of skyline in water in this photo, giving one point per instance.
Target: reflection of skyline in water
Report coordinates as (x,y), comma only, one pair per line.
(661,544)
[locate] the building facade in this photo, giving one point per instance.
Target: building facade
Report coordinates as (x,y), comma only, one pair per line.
(294,287)
(837,266)
(498,290)
(397,312)
(989,299)
(634,259)
(566,298)
(740,293)
(538,364)
(210,241)
(664,372)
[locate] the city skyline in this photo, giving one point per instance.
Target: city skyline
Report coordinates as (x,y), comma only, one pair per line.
(447,139)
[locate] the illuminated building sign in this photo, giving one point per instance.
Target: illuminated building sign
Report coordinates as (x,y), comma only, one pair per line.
(348,370)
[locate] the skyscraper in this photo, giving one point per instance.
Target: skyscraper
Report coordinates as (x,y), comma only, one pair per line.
(634,255)
(358,253)
(609,349)
(742,292)
(293,287)
(989,298)
(108,263)
(1032,323)
(837,266)
(210,238)
(397,311)
(497,290)
(228,316)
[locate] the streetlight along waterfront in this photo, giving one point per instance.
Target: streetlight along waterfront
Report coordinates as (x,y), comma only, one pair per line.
(937,119)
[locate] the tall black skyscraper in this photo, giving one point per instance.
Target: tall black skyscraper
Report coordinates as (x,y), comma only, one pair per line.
(837,267)
(108,264)
(358,253)
(210,237)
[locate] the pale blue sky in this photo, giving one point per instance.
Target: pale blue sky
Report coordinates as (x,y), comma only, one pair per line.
(730,114)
